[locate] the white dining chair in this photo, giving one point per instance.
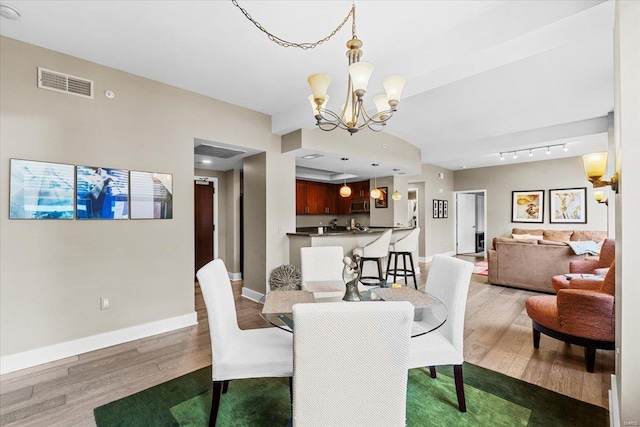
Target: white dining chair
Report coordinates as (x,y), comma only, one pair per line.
(350,363)
(374,251)
(236,353)
(448,280)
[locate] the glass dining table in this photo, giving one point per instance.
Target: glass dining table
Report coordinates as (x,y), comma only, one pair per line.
(430,312)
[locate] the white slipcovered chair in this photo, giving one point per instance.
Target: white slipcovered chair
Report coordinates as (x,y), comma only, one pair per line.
(344,352)
(321,268)
(374,251)
(403,247)
(448,280)
(236,353)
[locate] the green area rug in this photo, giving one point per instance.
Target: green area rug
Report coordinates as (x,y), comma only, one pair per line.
(493,399)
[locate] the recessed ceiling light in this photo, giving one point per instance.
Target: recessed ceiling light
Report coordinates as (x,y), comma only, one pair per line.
(311,156)
(206,162)
(9,12)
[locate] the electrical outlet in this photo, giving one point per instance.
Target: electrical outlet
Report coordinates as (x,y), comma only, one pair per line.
(105,303)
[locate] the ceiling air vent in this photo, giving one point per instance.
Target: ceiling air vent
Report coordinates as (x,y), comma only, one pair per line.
(60,82)
(215,151)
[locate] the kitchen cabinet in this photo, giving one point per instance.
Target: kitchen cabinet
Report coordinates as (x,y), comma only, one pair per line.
(301,197)
(360,189)
(319,198)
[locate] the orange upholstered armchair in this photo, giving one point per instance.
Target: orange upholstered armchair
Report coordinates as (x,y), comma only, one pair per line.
(591,266)
(583,314)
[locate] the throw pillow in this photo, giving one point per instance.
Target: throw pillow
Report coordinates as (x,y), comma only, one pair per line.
(558,235)
(535,236)
(520,236)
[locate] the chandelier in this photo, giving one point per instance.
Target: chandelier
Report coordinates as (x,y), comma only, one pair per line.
(353,115)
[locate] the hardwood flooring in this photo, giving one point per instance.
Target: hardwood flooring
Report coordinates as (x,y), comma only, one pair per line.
(498,336)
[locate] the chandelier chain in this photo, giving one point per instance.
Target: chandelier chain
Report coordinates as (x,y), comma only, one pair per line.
(303,46)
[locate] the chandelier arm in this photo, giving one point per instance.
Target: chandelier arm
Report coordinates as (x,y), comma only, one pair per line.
(376,118)
(303,46)
(332,117)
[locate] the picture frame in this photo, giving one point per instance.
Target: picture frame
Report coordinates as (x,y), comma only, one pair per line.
(445,209)
(102,193)
(527,206)
(383,200)
(151,195)
(41,190)
(440,208)
(568,205)
(435,209)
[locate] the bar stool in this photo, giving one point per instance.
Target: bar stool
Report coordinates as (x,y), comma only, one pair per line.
(374,251)
(403,247)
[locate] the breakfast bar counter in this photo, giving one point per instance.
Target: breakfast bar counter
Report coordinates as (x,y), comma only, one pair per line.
(348,239)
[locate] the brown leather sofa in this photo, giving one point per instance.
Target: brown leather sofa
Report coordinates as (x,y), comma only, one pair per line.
(531,263)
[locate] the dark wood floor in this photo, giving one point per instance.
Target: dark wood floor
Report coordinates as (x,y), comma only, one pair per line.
(497,336)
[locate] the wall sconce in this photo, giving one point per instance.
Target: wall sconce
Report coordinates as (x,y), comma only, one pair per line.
(601,196)
(595,166)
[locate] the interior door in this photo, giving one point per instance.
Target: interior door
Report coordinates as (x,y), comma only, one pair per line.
(466,223)
(203,211)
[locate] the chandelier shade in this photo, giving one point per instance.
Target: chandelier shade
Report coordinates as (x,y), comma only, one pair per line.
(319,85)
(375,193)
(396,195)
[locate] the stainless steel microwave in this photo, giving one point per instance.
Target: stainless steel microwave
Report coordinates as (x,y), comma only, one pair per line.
(359,205)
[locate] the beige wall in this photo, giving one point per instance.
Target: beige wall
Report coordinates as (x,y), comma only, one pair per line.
(54,272)
(500,181)
(255,220)
(437,234)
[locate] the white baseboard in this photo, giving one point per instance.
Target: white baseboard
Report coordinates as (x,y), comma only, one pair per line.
(50,353)
(614,416)
(251,294)
(235,276)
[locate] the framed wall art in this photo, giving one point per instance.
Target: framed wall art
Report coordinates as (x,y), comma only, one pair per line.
(102,193)
(440,209)
(527,206)
(383,200)
(568,205)
(41,190)
(151,195)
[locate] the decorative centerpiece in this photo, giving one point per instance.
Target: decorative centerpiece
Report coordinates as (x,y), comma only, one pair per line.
(351,275)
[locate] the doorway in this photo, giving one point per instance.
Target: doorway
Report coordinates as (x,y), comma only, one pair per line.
(470,222)
(204,221)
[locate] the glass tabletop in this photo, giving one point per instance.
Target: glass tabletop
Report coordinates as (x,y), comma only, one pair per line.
(430,312)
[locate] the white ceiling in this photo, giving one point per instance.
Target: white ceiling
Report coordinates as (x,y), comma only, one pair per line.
(483,76)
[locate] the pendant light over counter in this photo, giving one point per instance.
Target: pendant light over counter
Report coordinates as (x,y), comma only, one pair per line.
(375,193)
(345,190)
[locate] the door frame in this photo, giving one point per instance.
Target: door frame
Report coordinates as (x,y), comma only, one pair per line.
(455,213)
(214,180)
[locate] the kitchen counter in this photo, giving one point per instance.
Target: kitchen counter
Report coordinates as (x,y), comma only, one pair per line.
(342,231)
(348,239)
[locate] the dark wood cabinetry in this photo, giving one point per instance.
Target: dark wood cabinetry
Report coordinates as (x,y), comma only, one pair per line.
(318,198)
